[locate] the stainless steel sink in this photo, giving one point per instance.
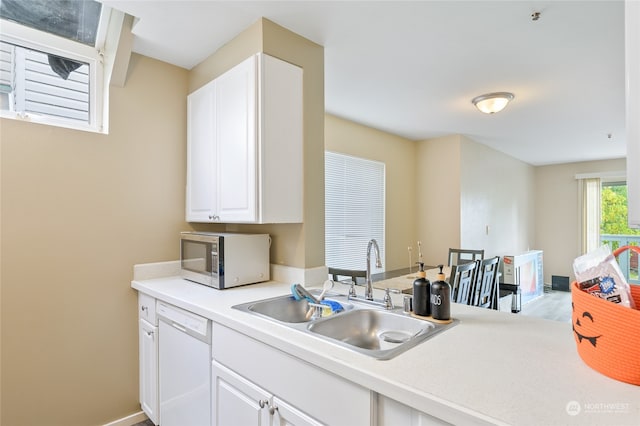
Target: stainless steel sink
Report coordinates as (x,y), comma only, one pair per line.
(379,333)
(287,309)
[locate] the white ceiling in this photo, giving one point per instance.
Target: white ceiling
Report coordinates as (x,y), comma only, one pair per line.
(411,68)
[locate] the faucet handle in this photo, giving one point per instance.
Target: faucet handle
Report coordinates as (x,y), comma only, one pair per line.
(388,302)
(352,290)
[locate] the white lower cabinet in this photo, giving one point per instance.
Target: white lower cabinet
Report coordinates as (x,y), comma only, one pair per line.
(257,384)
(148,356)
(149,370)
(287,415)
(237,401)
(392,413)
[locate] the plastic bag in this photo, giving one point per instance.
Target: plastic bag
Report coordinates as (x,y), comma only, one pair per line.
(599,274)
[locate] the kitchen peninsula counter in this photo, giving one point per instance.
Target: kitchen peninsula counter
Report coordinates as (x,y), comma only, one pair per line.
(402,279)
(491,368)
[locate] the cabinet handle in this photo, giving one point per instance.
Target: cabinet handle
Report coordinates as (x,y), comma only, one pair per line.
(263,403)
(273,409)
(214,217)
(143,308)
(179,327)
(149,333)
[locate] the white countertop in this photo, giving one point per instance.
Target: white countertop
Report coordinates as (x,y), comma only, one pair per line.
(493,367)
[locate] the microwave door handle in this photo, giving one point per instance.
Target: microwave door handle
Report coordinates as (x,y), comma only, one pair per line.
(214,263)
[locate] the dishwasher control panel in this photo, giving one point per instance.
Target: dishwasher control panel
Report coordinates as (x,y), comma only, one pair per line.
(192,323)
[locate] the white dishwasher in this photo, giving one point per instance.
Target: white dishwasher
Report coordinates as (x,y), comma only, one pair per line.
(184,360)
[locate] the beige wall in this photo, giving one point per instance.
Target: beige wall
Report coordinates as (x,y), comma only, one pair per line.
(464,189)
(557,212)
(306,241)
(444,192)
(79,209)
(245,44)
(398,155)
(299,245)
(497,191)
(438,222)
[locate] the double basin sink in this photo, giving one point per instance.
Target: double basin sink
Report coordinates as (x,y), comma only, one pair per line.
(377,332)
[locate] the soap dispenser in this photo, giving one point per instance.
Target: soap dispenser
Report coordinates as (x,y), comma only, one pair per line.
(421,293)
(441,298)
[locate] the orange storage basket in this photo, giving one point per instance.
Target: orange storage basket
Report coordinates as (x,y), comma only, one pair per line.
(607,335)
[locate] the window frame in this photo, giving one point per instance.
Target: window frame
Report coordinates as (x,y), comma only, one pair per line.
(29,38)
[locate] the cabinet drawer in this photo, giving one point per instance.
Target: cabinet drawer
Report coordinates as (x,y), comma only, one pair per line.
(147,308)
(316,392)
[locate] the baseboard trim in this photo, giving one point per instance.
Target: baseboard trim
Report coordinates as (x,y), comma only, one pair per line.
(129,420)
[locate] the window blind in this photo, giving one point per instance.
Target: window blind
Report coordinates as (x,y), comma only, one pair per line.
(354,210)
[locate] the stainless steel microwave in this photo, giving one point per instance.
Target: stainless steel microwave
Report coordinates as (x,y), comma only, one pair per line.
(224,260)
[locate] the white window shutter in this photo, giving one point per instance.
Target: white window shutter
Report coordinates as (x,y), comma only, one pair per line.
(354,210)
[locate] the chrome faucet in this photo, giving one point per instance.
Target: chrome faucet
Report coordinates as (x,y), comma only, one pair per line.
(368,291)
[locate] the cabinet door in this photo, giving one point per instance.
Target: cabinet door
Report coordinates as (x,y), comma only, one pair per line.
(322,395)
(237,401)
(201,155)
(280,139)
(236,142)
(148,342)
(286,415)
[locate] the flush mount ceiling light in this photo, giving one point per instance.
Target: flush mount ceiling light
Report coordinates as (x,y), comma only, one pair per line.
(492,102)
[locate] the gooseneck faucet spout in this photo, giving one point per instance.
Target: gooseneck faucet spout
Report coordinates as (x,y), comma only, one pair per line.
(368,292)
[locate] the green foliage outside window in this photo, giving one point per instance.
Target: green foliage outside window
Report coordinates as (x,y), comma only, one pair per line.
(614,211)
(614,222)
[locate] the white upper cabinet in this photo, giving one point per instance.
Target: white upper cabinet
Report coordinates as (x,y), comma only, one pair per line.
(245,145)
(201,189)
(236,131)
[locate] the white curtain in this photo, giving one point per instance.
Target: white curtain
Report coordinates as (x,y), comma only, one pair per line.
(590,199)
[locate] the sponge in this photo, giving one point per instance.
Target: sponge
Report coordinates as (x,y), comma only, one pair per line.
(295,293)
(335,306)
(332,305)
